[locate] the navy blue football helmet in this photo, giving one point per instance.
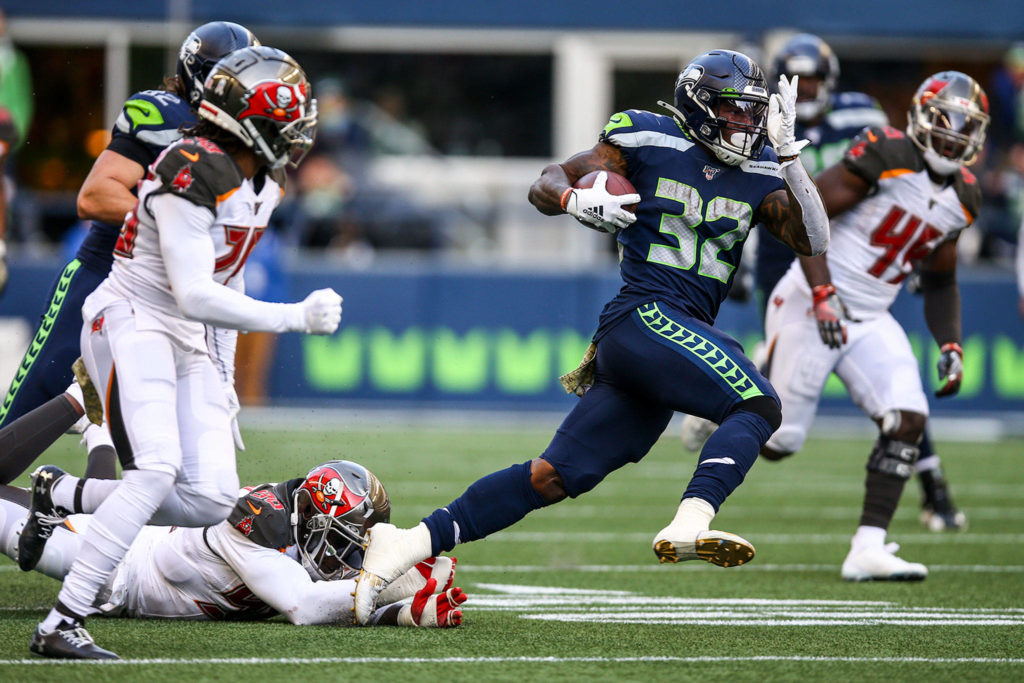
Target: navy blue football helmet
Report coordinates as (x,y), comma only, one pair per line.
(721,98)
(808,57)
(203,48)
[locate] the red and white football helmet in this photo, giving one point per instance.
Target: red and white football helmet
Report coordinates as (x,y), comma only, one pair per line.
(331,511)
(948,119)
(261,96)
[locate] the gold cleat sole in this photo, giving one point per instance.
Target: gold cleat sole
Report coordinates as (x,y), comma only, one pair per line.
(721,551)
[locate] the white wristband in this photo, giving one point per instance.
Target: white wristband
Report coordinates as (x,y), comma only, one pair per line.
(814,215)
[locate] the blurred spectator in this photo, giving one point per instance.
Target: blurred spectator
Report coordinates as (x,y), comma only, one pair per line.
(338,206)
(15,116)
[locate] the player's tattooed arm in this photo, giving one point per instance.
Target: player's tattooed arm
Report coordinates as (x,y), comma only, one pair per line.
(546,192)
(781,215)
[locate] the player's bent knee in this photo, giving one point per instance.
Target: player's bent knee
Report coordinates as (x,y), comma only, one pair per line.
(893,457)
(774,455)
(786,441)
(765,406)
(546,481)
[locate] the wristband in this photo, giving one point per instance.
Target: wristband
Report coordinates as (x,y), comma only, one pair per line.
(952,346)
(822,292)
(565,198)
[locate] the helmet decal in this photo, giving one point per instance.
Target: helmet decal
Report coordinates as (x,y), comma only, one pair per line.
(274,100)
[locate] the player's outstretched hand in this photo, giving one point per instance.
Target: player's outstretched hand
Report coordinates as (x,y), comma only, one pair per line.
(436,611)
(831,312)
(321,311)
(951,369)
(781,122)
(597,207)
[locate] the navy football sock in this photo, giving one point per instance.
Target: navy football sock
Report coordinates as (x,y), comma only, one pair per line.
(490,504)
(727,456)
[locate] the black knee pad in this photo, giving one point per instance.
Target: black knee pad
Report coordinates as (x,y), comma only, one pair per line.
(765,406)
(892,457)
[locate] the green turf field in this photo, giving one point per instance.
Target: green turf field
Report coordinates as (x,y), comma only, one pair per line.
(574,591)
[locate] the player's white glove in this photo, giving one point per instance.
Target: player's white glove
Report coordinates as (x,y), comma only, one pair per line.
(233,408)
(951,369)
(4,274)
(596,207)
(321,312)
(782,121)
(441,568)
(831,314)
(437,611)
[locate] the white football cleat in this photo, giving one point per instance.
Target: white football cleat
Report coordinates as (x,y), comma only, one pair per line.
(953,520)
(717,547)
(696,431)
(389,553)
(881,564)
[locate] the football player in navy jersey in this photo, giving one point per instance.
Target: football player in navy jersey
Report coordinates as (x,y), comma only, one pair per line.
(703,177)
(898,201)
(40,394)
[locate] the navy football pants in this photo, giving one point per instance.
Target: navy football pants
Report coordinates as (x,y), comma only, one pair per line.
(653,362)
(45,370)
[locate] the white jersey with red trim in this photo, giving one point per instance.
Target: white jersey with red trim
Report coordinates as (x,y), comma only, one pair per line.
(197,170)
(180,573)
(877,243)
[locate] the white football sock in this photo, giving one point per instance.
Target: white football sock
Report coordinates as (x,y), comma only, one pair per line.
(868,537)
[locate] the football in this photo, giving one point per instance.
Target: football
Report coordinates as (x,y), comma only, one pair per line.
(616,185)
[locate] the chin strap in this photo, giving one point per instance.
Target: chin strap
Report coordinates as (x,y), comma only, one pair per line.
(813,210)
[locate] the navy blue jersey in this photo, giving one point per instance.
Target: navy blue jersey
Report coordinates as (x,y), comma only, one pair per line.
(847,115)
(149,121)
(694,215)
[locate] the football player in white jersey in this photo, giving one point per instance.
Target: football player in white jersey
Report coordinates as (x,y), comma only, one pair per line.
(202,206)
(897,201)
(291,548)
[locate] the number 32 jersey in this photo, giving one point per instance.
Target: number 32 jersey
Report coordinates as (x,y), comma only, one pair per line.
(877,243)
(694,215)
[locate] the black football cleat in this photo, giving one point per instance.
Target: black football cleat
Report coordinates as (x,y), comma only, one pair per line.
(938,512)
(69,640)
(43,517)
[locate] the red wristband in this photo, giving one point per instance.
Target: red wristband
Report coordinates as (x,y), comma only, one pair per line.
(952,346)
(565,197)
(822,292)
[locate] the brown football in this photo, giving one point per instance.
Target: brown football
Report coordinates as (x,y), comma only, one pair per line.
(616,185)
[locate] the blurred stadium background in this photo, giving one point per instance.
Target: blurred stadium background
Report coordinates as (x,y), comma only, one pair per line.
(435,118)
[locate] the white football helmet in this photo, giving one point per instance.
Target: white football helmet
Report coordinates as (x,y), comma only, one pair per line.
(948,119)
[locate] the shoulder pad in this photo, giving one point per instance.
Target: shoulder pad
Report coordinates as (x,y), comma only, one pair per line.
(968,192)
(198,170)
(854,112)
(263,514)
(154,117)
(879,149)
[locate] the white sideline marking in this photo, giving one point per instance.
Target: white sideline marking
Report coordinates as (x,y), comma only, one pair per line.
(622,607)
(502,660)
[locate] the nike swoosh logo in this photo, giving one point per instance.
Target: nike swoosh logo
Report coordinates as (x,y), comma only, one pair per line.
(721,461)
(255,510)
(191,156)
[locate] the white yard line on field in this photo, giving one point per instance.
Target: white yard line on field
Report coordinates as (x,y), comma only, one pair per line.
(275,661)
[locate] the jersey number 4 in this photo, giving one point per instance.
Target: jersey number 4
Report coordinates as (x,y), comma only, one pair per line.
(894,234)
(684,227)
